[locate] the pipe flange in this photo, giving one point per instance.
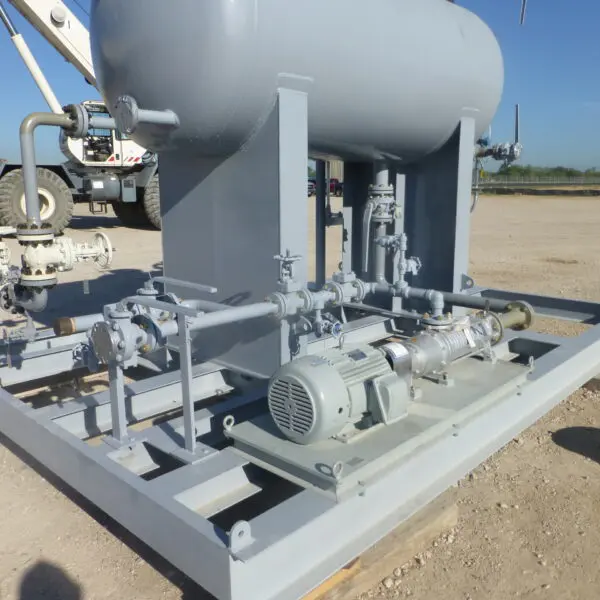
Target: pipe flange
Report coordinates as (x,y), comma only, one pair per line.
(34,236)
(526,309)
(31,232)
(337,290)
(381,191)
(497,328)
(38,279)
(440,322)
(27,240)
(81,121)
(361,290)
(307,299)
(126,114)
(280,300)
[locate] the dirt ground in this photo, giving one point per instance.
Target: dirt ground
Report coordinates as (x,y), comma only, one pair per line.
(527,525)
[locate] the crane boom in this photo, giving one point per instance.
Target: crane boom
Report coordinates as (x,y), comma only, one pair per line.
(63,30)
(30,63)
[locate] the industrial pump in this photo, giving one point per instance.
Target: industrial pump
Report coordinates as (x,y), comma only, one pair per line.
(342,392)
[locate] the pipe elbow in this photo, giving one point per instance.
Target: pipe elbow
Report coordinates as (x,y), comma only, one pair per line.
(437,303)
(33,120)
(31,299)
(29,123)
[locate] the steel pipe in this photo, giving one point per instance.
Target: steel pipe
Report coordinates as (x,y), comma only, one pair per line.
(221,317)
(234,315)
(205,305)
(26,131)
(102,123)
(70,325)
(469,301)
(380,254)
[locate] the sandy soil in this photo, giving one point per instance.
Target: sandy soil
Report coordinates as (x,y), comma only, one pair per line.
(527,517)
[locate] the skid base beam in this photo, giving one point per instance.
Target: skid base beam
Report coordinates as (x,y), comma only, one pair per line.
(246,531)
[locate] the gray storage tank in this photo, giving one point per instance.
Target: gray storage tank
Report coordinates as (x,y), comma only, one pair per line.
(385,78)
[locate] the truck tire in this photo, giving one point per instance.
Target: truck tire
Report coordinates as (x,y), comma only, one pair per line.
(55,196)
(151,201)
(131,214)
(145,213)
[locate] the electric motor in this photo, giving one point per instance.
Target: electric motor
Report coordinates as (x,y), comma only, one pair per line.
(315,397)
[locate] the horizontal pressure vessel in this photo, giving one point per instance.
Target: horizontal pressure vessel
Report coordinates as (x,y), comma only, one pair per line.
(384,78)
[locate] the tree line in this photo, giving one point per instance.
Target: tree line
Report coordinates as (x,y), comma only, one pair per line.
(532,171)
(527,171)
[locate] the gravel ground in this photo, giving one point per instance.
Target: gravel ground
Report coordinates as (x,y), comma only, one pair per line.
(527,516)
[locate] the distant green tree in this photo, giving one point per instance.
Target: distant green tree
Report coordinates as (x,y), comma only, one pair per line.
(311,173)
(532,171)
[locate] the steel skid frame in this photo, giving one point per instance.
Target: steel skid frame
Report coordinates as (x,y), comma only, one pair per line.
(155,454)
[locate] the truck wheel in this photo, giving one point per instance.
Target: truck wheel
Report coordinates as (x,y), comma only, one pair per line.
(151,201)
(56,199)
(145,213)
(131,214)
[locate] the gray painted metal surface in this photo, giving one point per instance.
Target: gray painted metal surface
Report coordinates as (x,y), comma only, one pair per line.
(181,513)
(22,361)
(437,212)
(221,79)
(367,458)
(252,207)
(245,523)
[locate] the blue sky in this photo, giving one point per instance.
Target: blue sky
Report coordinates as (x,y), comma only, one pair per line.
(552,70)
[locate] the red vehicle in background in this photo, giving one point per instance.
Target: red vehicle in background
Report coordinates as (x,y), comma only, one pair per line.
(336,187)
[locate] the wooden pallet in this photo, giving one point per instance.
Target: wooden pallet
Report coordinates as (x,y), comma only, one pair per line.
(395,550)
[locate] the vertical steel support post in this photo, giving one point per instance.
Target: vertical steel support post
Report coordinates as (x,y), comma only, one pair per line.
(357,178)
(292,133)
(117,402)
(320,225)
(185,358)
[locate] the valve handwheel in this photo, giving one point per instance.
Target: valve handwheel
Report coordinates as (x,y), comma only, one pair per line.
(104,257)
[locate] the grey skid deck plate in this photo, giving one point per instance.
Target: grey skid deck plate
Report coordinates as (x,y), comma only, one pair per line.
(439,412)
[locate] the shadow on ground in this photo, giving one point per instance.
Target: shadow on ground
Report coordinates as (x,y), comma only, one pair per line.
(103,221)
(45,581)
(108,221)
(58,585)
(74,298)
(580,440)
